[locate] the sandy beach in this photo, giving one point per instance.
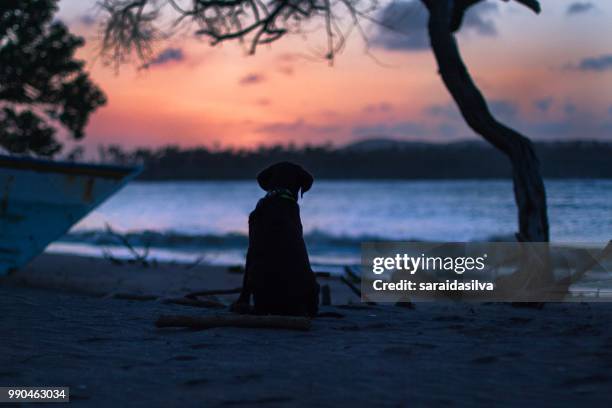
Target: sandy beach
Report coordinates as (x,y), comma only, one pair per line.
(66,322)
(440,168)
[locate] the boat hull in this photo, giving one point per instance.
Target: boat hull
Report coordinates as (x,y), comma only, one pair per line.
(41,200)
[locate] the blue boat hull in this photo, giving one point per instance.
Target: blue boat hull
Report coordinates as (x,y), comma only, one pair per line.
(41,200)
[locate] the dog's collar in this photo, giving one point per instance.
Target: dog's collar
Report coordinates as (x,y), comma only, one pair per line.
(282,193)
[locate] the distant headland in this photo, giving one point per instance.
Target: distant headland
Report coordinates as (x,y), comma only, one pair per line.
(369,159)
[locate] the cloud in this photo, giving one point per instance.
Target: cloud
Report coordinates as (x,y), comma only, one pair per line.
(543,104)
(286,69)
(579,8)
(297,127)
(576,126)
(251,79)
(167,56)
(594,64)
(87,20)
(382,107)
(289,57)
(443,122)
(505,109)
(397,129)
(570,108)
(405,24)
(448,111)
(330,113)
(477,19)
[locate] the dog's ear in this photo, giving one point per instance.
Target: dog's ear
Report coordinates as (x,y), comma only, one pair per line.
(306,181)
(265,177)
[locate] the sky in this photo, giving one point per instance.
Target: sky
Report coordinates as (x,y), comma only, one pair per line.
(548,75)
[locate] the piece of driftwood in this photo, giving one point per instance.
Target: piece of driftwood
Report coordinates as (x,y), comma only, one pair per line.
(195,263)
(185,301)
(560,289)
(355,289)
(139,258)
(230,320)
(351,286)
(349,271)
(590,264)
(213,292)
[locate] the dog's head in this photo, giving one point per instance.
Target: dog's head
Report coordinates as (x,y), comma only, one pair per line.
(285,175)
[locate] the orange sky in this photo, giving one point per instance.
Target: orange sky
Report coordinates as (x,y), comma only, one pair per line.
(529,69)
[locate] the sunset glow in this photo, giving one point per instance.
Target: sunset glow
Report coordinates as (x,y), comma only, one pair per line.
(531,68)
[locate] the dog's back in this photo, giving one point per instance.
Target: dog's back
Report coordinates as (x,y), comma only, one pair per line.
(278,265)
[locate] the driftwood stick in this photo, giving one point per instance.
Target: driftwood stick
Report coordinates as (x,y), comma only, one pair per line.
(185,301)
(349,271)
(356,290)
(142,258)
(560,289)
(213,292)
(245,321)
(580,272)
(351,286)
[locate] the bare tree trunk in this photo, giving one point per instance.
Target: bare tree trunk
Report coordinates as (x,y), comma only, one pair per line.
(529,189)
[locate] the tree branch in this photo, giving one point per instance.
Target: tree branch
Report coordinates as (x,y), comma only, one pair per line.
(528,185)
(130,27)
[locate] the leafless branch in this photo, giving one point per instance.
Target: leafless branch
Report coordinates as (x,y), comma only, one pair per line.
(139,257)
(130,27)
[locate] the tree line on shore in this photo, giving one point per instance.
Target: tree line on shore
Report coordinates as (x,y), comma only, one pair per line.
(365,160)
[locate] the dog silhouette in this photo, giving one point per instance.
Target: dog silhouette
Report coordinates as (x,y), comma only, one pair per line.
(277,271)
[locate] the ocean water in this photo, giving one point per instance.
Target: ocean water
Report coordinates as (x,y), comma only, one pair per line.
(187,220)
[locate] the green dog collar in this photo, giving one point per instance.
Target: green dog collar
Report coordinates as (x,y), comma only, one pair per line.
(282,193)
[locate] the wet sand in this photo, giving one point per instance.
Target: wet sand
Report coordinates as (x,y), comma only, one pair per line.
(72,330)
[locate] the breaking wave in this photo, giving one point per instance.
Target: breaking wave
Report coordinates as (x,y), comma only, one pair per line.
(176,240)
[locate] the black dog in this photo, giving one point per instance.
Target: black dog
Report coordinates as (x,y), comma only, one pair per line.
(277,271)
